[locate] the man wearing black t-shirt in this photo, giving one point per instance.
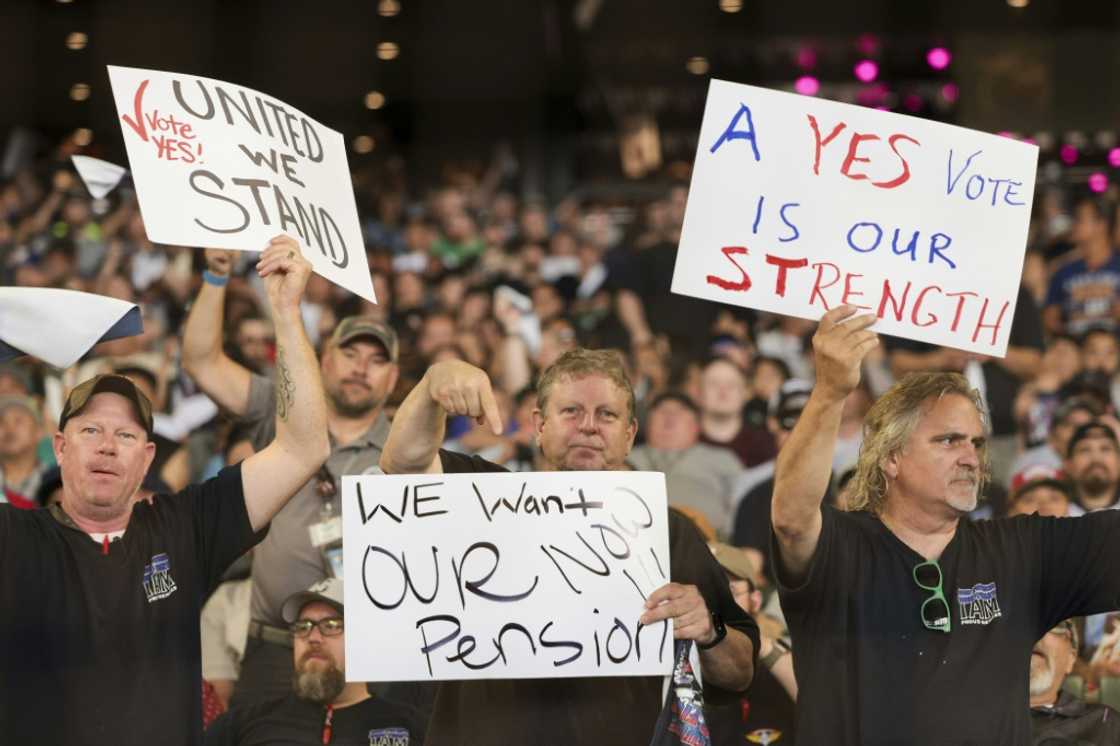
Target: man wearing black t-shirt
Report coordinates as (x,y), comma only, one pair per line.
(584,421)
(323,707)
(911,625)
(101,594)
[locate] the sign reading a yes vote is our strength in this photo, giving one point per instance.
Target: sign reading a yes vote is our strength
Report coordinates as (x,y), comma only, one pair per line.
(798,205)
(218,165)
(529,575)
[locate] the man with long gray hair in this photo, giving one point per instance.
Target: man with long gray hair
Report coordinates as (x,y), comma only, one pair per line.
(902,606)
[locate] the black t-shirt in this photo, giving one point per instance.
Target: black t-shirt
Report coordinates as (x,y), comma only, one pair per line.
(291,721)
(870,673)
(616,710)
(102,648)
(765,714)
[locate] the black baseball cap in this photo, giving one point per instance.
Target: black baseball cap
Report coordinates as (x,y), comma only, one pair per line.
(792,397)
(676,396)
(1089,430)
(108,383)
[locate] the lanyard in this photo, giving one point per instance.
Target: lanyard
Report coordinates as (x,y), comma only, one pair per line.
(327,724)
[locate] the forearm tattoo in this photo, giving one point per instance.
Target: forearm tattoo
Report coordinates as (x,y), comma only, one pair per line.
(285,386)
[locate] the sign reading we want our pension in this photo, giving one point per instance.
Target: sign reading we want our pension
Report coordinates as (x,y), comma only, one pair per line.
(222,166)
(798,205)
(498,575)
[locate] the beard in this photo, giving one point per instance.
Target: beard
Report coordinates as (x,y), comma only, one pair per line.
(351,406)
(320,686)
(1041,679)
(1096,482)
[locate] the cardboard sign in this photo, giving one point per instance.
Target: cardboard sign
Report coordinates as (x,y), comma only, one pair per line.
(221,166)
(60,326)
(497,575)
(799,204)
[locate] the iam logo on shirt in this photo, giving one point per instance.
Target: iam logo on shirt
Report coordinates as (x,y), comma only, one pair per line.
(388,737)
(158,582)
(978,604)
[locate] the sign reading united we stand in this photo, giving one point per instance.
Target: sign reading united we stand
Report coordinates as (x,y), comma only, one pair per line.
(218,165)
(798,205)
(497,575)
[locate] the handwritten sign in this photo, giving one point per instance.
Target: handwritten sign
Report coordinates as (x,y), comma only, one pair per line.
(529,575)
(799,204)
(221,166)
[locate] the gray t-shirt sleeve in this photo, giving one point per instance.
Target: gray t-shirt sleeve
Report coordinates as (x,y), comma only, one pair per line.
(260,414)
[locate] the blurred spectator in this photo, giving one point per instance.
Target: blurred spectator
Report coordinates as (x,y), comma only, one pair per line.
(723,400)
(223,634)
(1100,354)
(1070,414)
(21,469)
(1094,466)
(1040,489)
(1057,717)
(1086,292)
(752,518)
(697,475)
(323,707)
(765,713)
(254,343)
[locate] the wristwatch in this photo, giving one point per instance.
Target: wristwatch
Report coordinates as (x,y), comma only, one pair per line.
(777,650)
(721,632)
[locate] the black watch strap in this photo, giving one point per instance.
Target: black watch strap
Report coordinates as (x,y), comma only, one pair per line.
(721,632)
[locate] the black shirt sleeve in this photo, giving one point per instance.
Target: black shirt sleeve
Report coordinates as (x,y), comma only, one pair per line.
(799,597)
(458,463)
(1079,557)
(691,562)
(223,731)
(220,520)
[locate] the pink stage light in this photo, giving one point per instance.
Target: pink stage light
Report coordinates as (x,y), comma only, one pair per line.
(912,102)
(950,92)
(1068,154)
(868,45)
(1114,157)
(1098,182)
(866,71)
(939,58)
(807,85)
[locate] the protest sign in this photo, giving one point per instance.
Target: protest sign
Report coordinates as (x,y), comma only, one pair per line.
(221,166)
(500,575)
(100,177)
(798,204)
(60,326)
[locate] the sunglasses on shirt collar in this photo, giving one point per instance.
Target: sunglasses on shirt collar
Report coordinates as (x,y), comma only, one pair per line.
(935,610)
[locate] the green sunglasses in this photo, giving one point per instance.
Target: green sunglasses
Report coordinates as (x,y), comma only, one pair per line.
(935,609)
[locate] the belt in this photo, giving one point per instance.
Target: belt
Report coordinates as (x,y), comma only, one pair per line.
(268,633)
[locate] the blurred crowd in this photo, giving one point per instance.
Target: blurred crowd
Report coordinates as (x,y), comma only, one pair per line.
(474,268)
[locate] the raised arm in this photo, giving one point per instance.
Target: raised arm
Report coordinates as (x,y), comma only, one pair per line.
(804,464)
(447,388)
(222,379)
(301,445)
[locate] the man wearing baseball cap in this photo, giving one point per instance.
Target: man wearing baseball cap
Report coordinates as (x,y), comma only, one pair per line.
(99,638)
(1056,715)
(1093,464)
(321,707)
(1040,489)
(358,365)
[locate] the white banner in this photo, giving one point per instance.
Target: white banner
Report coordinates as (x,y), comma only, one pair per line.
(218,165)
(799,204)
(496,575)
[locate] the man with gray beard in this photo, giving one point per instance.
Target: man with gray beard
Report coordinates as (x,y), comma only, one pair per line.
(1056,715)
(322,707)
(358,366)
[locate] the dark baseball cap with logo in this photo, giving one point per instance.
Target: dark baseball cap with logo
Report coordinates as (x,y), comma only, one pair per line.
(355,327)
(107,384)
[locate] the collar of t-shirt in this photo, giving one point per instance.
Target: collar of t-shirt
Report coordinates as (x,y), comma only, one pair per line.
(99,538)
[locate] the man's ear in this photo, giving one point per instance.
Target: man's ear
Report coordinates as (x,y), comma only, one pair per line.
(538,424)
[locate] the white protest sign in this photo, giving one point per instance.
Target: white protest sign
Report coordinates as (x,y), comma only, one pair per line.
(60,326)
(798,204)
(218,165)
(498,575)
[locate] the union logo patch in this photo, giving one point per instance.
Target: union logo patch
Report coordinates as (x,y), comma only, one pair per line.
(978,604)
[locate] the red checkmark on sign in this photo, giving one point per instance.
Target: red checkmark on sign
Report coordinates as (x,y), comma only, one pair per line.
(138,124)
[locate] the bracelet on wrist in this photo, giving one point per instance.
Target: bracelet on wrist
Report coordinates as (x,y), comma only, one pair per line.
(212,279)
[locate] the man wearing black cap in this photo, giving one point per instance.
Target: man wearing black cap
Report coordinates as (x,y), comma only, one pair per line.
(321,706)
(99,638)
(358,364)
(1093,463)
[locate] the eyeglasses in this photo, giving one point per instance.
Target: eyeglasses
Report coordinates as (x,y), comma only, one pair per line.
(329,627)
(935,609)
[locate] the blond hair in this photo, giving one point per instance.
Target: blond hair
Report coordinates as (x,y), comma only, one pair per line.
(582,362)
(891,421)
